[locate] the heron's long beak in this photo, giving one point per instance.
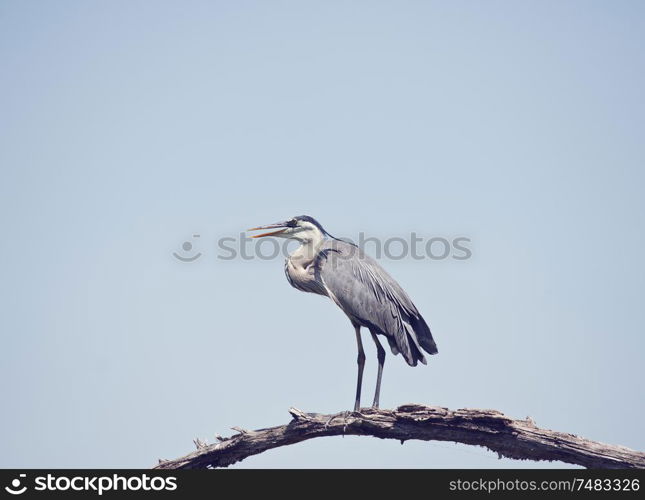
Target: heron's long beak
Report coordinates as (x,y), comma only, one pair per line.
(269,226)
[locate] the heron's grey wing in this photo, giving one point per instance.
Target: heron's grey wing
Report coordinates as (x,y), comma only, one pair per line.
(372,298)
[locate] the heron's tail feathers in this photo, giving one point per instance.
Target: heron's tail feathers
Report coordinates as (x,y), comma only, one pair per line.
(424,335)
(404,342)
(411,337)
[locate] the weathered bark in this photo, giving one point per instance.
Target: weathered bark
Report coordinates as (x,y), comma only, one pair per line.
(519,439)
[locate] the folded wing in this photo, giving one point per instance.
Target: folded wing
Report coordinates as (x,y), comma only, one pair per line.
(372,298)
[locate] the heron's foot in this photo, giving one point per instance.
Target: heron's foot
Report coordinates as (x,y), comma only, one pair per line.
(344,415)
(330,420)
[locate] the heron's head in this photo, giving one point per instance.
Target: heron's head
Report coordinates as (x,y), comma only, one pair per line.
(302,228)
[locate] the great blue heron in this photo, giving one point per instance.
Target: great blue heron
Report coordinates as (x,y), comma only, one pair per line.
(358,285)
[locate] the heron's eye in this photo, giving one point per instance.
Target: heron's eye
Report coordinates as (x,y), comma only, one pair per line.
(292,223)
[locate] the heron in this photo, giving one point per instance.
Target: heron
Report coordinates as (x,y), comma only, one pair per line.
(364,291)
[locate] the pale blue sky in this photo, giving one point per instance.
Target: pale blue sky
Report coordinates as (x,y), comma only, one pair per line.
(126,127)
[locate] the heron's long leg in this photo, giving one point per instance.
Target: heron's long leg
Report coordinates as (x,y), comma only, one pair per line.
(380,352)
(361,364)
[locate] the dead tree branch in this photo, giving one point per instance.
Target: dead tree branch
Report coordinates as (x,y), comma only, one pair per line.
(518,439)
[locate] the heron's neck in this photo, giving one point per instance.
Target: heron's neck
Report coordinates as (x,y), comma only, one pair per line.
(307,251)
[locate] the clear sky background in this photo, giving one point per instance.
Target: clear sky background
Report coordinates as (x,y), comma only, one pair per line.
(128,126)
